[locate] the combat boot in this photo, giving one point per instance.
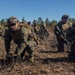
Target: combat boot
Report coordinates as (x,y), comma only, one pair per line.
(31,59)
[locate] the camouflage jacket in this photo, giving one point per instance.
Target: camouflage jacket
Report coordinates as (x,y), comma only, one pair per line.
(71,34)
(61,29)
(20,37)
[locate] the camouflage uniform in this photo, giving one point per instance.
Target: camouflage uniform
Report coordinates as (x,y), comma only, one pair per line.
(21,38)
(71,38)
(35,28)
(2,31)
(43,33)
(60,31)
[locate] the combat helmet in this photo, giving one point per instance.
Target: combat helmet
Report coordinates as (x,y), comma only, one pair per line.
(12,20)
(34,24)
(29,22)
(65,16)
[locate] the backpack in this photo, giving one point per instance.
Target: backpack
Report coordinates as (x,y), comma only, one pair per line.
(31,35)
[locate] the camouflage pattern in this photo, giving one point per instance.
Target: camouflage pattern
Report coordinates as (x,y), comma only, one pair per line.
(71,55)
(2,31)
(60,31)
(43,32)
(71,39)
(12,20)
(21,38)
(35,28)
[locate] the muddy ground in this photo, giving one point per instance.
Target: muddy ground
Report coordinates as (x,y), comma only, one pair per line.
(47,60)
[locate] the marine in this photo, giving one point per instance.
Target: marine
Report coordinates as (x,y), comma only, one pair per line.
(43,32)
(60,31)
(20,34)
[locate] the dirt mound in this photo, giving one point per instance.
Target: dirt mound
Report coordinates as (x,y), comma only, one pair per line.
(47,60)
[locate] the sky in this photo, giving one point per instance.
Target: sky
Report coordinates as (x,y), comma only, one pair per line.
(33,9)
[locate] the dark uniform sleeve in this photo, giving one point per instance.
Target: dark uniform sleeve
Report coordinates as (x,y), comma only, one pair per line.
(23,40)
(7,40)
(58,29)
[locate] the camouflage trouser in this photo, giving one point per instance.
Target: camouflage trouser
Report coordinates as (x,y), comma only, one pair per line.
(42,34)
(29,48)
(72,53)
(60,45)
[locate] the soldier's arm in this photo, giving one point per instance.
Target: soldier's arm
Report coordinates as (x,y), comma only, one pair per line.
(46,30)
(23,40)
(57,30)
(7,40)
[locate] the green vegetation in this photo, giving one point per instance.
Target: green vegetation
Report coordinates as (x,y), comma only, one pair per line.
(38,21)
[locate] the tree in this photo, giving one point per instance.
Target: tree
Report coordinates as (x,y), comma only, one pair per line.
(23,20)
(34,21)
(40,20)
(71,20)
(53,23)
(47,22)
(3,22)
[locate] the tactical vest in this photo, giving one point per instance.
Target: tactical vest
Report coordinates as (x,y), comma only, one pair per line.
(15,36)
(61,28)
(65,26)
